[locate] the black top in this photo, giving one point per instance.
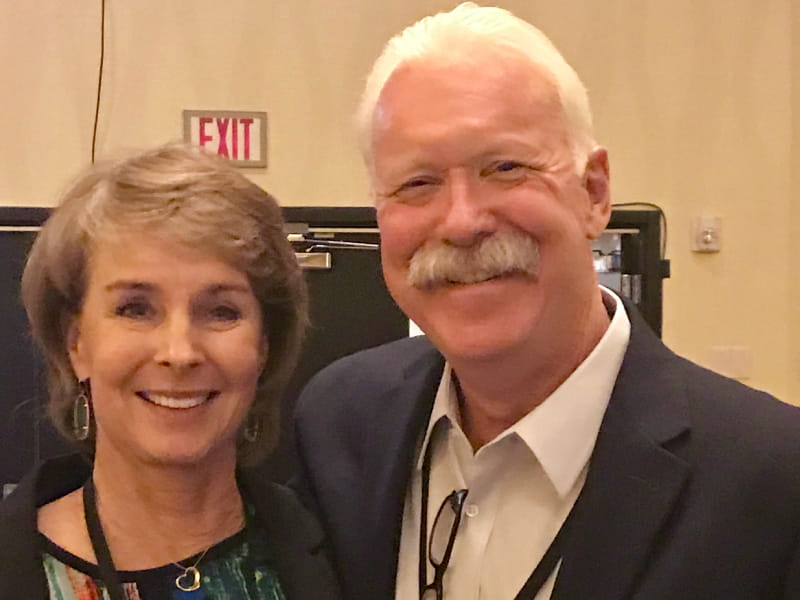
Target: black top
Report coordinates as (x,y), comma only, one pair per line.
(298,553)
(236,568)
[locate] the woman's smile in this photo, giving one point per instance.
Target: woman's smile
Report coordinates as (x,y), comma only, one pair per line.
(179,400)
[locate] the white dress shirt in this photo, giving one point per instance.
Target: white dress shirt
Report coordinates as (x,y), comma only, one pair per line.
(521,485)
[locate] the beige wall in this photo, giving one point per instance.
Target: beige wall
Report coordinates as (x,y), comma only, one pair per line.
(792,262)
(692,97)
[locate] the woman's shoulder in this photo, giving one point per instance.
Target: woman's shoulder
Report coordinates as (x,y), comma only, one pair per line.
(279,509)
(20,564)
(300,551)
(53,515)
(49,491)
(62,522)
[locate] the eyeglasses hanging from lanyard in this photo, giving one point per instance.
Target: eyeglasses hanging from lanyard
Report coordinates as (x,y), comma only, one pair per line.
(443,533)
(443,536)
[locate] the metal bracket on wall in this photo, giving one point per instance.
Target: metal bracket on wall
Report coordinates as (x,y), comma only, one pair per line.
(315,244)
(309,258)
(314,260)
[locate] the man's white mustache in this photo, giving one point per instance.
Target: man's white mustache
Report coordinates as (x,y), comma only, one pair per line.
(502,253)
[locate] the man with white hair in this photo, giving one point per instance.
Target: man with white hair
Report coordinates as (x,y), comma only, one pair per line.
(539,442)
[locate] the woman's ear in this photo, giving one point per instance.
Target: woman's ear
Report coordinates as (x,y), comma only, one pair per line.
(263,352)
(75,349)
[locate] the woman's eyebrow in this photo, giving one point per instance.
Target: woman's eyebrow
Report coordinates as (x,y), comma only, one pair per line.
(220,288)
(125,284)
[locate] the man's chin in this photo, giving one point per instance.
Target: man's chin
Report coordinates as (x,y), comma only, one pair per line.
(484,341)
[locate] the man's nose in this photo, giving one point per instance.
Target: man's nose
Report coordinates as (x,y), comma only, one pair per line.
(178,345)
(467,218)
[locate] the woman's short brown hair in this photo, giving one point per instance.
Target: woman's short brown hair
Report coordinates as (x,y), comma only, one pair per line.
(199,200)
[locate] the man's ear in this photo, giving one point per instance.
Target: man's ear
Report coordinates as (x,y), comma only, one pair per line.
(75,349)
(596,182)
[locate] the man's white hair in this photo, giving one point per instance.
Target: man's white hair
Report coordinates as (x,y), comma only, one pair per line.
(469,33)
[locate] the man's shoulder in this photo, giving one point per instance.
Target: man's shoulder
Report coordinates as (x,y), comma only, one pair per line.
(354,383)
(723,414)
(732,426)
(649,364)
(745,412)
(379,366)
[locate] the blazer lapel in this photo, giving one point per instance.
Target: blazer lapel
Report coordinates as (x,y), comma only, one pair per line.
(635,477)
(398,424)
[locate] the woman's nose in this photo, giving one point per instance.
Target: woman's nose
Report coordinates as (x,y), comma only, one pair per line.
(178,344)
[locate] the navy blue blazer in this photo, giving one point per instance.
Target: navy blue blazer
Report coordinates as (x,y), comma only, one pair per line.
(693,488)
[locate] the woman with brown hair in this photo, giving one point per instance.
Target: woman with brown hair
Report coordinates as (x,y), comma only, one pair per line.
(170,310)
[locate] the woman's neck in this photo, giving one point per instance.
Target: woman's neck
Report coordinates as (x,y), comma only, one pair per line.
(155,514)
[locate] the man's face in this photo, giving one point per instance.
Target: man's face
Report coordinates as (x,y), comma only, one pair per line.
(465,155)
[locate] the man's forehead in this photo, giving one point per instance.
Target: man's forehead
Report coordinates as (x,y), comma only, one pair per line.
(432,93)
(415,81)
(484,66)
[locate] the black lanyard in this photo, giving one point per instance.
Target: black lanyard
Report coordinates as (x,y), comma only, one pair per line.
(540,574)
(423,515)
(108,574)
(545,567)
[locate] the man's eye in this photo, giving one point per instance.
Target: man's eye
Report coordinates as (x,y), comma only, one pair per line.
(416,190)
(506,166)
(413,184)
(134,309)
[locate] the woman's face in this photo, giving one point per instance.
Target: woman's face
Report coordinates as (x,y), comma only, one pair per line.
(173,342)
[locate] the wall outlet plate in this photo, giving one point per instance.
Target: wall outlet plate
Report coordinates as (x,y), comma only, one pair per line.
(706,234)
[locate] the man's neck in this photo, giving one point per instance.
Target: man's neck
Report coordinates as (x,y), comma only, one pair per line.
(497,392)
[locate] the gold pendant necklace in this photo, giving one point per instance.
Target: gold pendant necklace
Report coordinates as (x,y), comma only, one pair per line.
(189,580)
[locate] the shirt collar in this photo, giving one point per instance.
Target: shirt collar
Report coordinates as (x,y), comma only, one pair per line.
(562,430)
(445,408)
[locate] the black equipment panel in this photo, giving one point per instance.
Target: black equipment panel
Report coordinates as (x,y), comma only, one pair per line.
(350,310)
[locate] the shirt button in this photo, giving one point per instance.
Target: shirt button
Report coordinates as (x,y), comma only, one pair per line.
(471,510)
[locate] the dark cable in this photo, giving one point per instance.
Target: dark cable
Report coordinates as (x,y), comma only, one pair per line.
(99,73)
(662,217)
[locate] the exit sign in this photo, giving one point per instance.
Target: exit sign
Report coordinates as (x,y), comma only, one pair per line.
(239,136)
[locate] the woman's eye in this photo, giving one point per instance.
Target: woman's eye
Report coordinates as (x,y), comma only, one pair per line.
(225,313)
(134,309)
